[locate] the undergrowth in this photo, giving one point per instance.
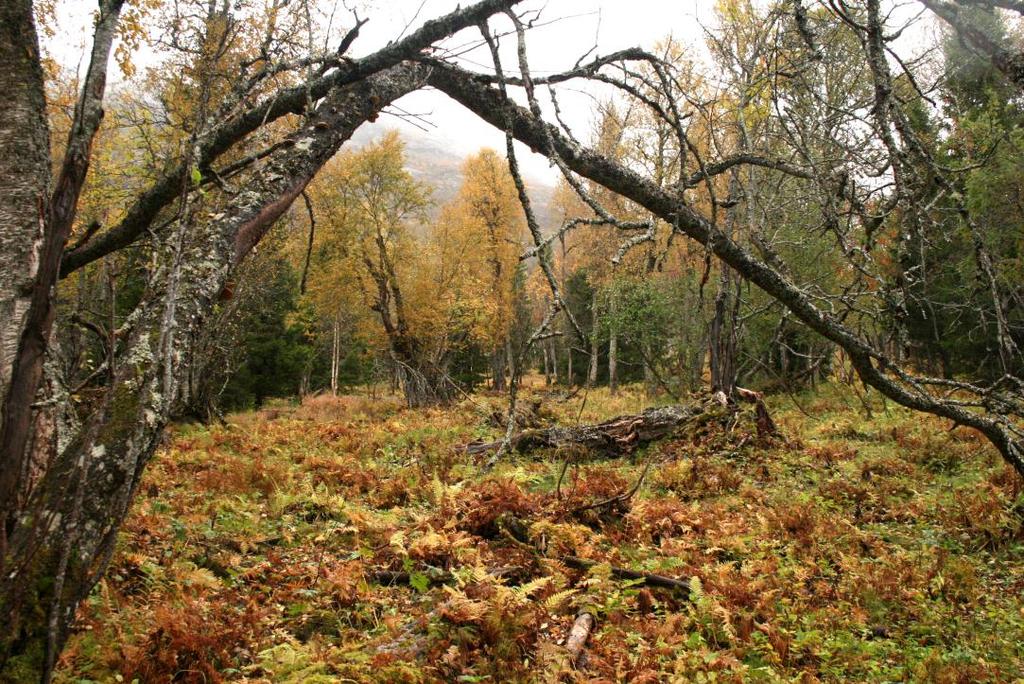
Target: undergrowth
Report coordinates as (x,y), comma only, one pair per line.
(889,549)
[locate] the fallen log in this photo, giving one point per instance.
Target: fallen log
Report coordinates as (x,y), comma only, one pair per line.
(615,437)
(622,435)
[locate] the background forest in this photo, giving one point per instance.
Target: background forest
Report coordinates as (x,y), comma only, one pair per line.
(309,313)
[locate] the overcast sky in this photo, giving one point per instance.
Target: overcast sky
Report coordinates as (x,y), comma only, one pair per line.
(575,26)
(566,30)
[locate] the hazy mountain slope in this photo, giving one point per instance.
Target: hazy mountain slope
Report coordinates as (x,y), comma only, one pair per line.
(433,160)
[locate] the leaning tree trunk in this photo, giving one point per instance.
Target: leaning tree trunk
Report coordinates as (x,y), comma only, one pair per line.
(62,543)
(871,364)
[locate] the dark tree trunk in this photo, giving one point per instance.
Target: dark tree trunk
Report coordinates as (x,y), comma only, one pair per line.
(498,367)
(613,349)
(547,365)
(722,337)
(613,362)
(594,337)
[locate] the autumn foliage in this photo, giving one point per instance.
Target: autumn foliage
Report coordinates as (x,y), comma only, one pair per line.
(354,539)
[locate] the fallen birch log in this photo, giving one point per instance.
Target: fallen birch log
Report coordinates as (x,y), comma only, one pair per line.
(624,434)
(620,435)
(578,636)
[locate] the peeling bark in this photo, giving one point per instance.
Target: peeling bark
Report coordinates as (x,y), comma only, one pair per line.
(578,636)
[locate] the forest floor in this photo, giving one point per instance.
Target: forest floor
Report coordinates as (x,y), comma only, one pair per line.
(887,548)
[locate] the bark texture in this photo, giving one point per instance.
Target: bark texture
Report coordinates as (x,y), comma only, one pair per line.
(24,173)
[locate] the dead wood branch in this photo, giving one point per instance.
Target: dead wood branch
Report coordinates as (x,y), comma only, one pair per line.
(649,579)
(519,531)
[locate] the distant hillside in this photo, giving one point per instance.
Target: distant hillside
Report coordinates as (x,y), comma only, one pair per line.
(431,160)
